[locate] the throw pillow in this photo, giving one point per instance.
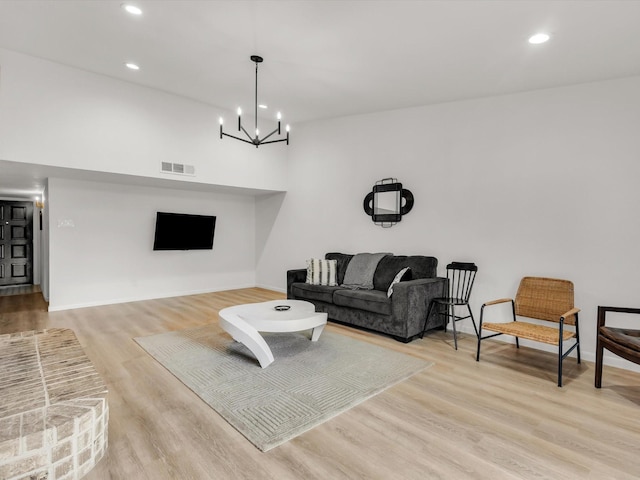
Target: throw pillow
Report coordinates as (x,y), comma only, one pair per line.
(398,278)
(322,272)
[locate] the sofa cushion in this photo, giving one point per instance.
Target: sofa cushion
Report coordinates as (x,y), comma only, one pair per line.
(368,300)
(421,267)
(307,291)
(343,260)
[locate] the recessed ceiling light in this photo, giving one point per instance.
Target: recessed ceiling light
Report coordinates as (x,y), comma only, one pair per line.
(263,106)
(132,9)
(132,66)
(538,38)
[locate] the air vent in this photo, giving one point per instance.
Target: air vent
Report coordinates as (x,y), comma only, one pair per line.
(177,168)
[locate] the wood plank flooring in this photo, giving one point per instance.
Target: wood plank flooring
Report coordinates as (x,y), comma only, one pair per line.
(501,418)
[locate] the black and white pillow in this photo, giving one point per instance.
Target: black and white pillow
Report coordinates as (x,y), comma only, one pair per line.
(322,272)
(405,272)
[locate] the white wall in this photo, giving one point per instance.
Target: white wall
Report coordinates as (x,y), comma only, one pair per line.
(51,114)
(107,257)
(541,183)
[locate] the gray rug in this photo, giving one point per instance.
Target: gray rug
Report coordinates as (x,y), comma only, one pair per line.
(307,384)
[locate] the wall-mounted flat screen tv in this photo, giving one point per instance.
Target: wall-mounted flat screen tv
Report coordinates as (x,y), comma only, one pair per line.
(180,231)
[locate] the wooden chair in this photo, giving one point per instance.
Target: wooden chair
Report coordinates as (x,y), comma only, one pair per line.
(460,278)
(622,341)
(539,298)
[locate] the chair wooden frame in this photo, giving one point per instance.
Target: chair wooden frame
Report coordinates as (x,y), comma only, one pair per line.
(539,298)
(460,278)
(613,339)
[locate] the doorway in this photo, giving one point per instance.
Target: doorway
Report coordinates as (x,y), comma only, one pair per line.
(16,243)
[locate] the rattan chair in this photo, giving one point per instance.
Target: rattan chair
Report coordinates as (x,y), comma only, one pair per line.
(460,278)
(623,342)
(539,298)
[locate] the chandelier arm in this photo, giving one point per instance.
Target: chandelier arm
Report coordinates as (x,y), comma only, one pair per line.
(237,138)
(275,131)
(247,134)
(276,141)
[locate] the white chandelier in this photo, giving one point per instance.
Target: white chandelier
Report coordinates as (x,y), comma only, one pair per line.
(256,140)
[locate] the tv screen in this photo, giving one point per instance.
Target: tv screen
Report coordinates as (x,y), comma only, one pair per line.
(180,231)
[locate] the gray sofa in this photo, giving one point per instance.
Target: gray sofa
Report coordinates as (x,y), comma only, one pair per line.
(400,316)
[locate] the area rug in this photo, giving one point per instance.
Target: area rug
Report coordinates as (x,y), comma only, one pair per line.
(307,384)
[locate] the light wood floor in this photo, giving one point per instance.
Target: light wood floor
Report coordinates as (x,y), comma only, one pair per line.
(501,418)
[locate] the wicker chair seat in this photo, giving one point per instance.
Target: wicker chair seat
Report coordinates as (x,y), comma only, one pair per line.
(530,331)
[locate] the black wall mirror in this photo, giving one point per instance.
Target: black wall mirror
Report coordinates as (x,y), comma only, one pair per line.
(388,202)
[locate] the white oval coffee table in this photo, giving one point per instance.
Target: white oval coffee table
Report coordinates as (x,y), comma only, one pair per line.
(244,322)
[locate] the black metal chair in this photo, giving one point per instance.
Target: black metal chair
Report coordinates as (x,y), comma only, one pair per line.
(460,278)
(624,342)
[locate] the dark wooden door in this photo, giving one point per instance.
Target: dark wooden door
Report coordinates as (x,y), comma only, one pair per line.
(16,243)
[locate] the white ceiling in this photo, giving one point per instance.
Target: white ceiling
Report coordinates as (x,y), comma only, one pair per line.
(327,58)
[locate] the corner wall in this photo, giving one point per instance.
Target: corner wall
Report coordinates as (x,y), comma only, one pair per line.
(541,183)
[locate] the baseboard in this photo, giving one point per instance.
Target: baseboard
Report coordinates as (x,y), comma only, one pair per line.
(270,287)
(115,301)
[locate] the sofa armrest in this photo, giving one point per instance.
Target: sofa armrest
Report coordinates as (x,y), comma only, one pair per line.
(295,276)
(410,302)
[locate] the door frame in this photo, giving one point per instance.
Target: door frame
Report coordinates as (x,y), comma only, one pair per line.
(36,236)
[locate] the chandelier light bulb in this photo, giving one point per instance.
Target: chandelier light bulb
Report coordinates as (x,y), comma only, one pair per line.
(221,120)
(239,111)
(257,132)
(287,128)
(279,116)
